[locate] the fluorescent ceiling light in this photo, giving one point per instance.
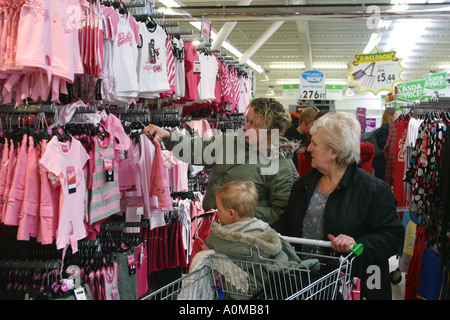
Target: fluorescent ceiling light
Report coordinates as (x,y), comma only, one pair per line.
(444,66)
(255,67)
(292,81)
(302,66)
(287,66)
(330,66)
(170,3)
(404,36)
(297,81)
(335,81)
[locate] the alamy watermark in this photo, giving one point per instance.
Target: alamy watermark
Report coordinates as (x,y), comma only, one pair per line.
(250,147)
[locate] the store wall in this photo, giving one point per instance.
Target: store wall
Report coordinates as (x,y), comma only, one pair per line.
(374,105)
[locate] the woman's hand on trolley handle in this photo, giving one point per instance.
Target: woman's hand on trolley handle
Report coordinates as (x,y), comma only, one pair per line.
(341,243)
(152,132)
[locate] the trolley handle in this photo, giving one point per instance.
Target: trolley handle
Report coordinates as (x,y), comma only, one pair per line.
(356,248)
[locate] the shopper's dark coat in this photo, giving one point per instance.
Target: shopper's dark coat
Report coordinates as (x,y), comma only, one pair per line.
(362,207)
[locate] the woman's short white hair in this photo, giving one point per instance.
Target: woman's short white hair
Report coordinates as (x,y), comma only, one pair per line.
(341,131)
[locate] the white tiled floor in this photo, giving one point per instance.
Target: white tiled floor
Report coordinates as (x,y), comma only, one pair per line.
(398,290)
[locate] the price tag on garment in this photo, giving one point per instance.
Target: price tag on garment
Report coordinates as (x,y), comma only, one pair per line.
(80,294)
(218,76)
(109,169)
(152,54)
(131,264)
(197,67)
(104,115)
(71,179)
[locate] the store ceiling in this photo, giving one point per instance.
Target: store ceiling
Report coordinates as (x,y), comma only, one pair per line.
(314,33)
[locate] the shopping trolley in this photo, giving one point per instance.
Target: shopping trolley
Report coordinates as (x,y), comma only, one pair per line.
(318,277)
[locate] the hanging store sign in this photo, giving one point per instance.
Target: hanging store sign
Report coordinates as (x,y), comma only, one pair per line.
(375,71)
(291,91)
(361,116)
(206,28)
(312,85)
(436,81)
(334,91)
(411,91)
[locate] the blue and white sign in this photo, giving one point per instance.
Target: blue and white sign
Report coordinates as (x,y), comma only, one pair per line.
(312,85)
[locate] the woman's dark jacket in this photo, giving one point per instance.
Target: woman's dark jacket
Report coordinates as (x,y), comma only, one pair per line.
(381,136)
(362,207)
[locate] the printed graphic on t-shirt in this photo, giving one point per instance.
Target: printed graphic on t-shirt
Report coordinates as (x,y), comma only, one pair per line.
(39,8)
(153,64)
(71,179)
(124,39)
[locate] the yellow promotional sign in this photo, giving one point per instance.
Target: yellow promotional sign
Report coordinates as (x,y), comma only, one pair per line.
(375,71)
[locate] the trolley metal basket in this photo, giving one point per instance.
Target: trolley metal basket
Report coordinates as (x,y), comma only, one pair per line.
(254,277)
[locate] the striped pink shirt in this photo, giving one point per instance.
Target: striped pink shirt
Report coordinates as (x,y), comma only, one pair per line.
(105,196)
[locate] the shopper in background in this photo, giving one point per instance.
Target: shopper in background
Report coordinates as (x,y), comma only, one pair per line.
(300,133)
(303,163)
(265,116)
(381,135)
(340,202)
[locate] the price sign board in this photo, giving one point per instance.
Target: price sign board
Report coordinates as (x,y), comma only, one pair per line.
(291,91)
(375,71)
(436,81)
(411,91)
(312,85)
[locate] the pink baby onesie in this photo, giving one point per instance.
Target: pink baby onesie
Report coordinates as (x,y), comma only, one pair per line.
(64,162)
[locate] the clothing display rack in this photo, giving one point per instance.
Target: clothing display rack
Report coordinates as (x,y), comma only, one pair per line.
(420,184)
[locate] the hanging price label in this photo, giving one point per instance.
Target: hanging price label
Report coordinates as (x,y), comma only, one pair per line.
(312,85)
(375,71)
(313,95)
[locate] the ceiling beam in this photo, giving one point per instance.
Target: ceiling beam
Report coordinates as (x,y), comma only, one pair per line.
(260,42)
(305,43)
(226,29)
(307,12)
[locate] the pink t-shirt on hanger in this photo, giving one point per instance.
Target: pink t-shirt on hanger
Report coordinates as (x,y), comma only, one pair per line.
(192,77)
(64,161)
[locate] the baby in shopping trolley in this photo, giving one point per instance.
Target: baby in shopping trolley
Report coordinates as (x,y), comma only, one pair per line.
(252,259)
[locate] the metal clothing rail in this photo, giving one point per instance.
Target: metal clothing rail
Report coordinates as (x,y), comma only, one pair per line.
(436,102)
(38,108)
(25,264)
(120,225)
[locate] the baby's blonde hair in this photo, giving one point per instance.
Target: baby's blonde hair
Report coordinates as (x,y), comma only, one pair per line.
(240,196)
